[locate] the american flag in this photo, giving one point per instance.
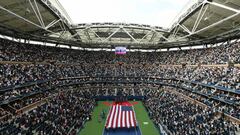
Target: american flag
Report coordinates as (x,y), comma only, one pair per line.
(121,116)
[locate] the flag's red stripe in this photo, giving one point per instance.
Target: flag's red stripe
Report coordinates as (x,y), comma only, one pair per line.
(117,117)
(125,118)
(134,119)
(131,121)
(129,118)
(109,116)
(120,117)
(113,117)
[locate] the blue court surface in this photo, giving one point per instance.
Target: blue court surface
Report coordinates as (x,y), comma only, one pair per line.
(122,131)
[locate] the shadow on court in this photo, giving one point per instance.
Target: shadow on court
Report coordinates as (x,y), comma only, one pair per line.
(122,131)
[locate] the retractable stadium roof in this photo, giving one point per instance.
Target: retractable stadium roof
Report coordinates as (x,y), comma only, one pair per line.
(33,19)
(208,18)
(205,22)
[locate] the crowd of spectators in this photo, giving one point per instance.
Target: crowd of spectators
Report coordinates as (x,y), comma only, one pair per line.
(10,51)
(11,94)
(181,116)
(226,77)
(3,112)
(233,110)
(28,101)
(59,65)
(63,114)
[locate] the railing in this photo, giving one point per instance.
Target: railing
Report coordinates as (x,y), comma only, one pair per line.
(29,107)
(213,86)
(229,117)
(20,97)
(121,80)
(28,84)
(131,80)
(124,64)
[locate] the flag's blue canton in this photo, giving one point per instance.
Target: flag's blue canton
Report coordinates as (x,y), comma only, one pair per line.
(126,108)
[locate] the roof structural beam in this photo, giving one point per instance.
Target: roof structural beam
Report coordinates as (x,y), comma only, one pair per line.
(183,17)
(26,20)
(200,16)
(154,34)
(37,13)
(52,23)
(237,12)
(112,34)
(116,25)
(175,31)
(72,36)
(64,11)
(32,23)
(54,11)
(149,32)
(62,25)
(164,37)
(129,34)
(86,32)
(185,29)
(210,26)
(95,33)
(219,22)
(66,20)
(223,6)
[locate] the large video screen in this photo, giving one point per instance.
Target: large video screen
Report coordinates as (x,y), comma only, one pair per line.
(120,50)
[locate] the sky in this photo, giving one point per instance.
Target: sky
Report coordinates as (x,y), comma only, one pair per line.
(151,12)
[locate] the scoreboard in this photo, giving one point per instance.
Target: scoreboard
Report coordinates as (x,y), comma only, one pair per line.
(120,50)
